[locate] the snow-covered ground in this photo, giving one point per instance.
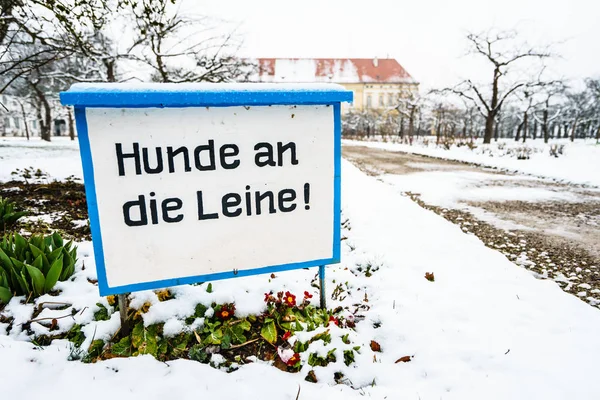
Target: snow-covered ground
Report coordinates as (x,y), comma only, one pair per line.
(579,164)
(484,329)
(59,158)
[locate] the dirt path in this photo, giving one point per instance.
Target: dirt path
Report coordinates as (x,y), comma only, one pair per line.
(550,228)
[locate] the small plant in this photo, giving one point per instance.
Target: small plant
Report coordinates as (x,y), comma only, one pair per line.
(557,150)
(447,143)
(8,214)
(32,267)
(523,153)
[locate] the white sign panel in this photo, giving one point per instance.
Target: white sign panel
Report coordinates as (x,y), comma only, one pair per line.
(186,194)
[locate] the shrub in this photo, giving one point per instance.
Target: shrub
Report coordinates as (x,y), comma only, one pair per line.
(8,215)
(557,150)
(32,267)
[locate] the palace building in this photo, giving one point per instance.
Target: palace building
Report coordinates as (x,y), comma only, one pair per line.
(377,83)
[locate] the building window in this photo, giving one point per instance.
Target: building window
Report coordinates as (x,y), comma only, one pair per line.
(6,122)
(17,123)
(34,124)
(381,100)
(369,104)
(390,99)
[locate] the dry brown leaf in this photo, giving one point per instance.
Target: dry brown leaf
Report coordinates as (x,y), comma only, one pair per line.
(198,337)
(404,359)
(429,276)
(375,346)
(311,377)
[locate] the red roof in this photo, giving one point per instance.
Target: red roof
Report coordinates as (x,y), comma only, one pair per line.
(336,70)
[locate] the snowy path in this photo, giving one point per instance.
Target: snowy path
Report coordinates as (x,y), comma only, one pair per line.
(484,329)
(579,163)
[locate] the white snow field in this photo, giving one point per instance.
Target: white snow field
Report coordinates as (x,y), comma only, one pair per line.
(59,158)
(580,163)
(484,329)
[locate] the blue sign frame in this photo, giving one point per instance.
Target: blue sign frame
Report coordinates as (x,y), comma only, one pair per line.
(82,96)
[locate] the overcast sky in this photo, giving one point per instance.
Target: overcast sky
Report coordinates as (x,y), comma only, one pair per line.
(425,36)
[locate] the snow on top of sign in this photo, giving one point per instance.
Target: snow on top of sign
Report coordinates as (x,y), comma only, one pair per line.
(205,87)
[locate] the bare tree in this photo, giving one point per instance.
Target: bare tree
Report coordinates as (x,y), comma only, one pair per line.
(180,48)
(550,111)
(503,52)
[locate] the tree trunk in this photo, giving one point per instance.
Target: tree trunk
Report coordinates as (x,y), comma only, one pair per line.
(496,127)
(493,109)
(25,120)
(489,128)
(110,70)
(71,125)
(46,120)
(525,126)
(545,127)
(598,134)
(519,128)
(535,129)
(566,131)
(574,128)
(411,123)
(402,128)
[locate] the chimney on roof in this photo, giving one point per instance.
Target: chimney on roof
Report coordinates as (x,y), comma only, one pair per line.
(376,62)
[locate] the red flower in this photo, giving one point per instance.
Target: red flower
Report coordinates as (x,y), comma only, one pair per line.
(286,335)
(267,296)
(226,311)
(293,360)
(334,320)
(290,299)
(307,295)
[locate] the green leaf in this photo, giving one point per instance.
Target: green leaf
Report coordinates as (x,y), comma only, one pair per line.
(38,263)
(35,251)
(5,295)
(53,274)
(55,254)
(19,266)
(122,348)
(348,357)
(37,279)
(95,348)
(237,334)
(245,325)
(269,331)
(197,353)
(4,259)
(209,288)
(226,341)
(57,239)
(200,311)
(68,267)
(145,339)
(20,244)
(215,337)
(137,334)
(102,313)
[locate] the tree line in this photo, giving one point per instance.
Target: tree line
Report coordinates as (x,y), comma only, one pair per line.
(522,100)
